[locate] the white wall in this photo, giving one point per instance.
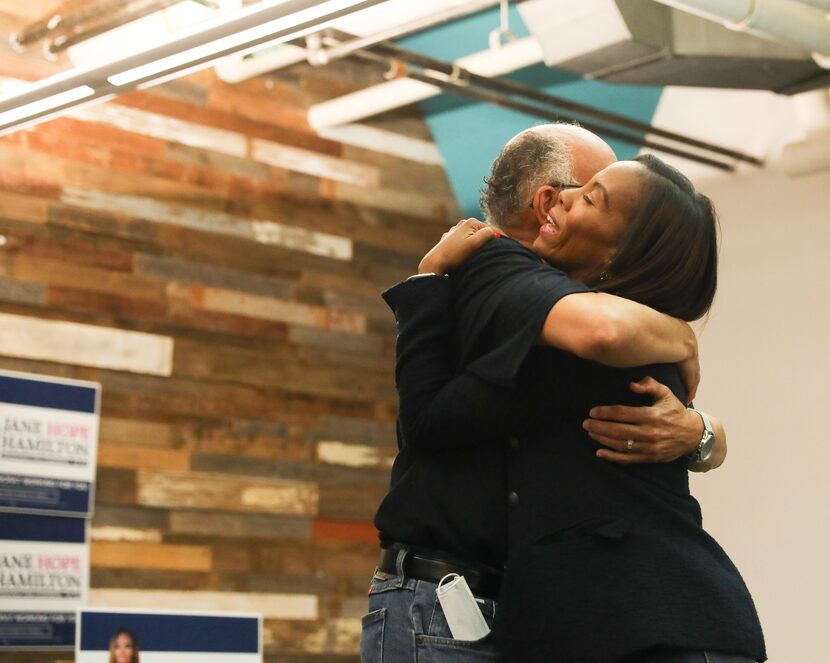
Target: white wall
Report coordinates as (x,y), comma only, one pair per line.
(766,364)
(766,373)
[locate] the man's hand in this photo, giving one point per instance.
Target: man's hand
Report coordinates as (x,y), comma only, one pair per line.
(660,433)
(456,245)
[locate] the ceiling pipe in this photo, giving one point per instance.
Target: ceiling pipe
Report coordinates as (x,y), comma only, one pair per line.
(499,99)
(394,94)
(62,42)
(507,87)
(791,21)
(64,22)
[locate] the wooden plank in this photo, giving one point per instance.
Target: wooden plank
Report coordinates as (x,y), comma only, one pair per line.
(413,203)
(272,606)
(23,207)
(237,166)
(262,231)
(254,446)
(345,560)
(281,105)
(283,469)
(314,378)
(404,174)
(72,138)
(22,292)
(212,491)
(268,308)
(240,525)
(311,163)
(385,142)
(103,577)
(116,430)
(128,554)
(151,101)
(338,636)
(131,534)
(34,169)
(133,517)
(355,455)
(345,531)
(354,430)
(56,244)
(54,272)
(103,307)
(147,458)
(87,345)
(229,143)
(204,274)
(326,339)
(351,502)
(114,486)
(164,127)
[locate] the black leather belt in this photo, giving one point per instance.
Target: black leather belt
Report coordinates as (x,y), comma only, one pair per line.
(483,581)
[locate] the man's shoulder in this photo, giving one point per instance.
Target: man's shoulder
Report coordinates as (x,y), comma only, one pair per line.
(506,246)
(501,252)
(503,257)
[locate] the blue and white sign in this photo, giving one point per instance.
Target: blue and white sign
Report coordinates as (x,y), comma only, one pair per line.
(168,637)
(48,444)
(44,579)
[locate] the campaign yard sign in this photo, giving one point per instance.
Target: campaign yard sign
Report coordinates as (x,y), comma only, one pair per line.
(169,636)
(44,578)
(48,444)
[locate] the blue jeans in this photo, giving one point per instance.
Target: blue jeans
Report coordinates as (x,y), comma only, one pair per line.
(405,624)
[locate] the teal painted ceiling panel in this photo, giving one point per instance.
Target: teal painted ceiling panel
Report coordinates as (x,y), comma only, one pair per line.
(470,134)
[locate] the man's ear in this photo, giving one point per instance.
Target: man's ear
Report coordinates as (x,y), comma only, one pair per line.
(544,199)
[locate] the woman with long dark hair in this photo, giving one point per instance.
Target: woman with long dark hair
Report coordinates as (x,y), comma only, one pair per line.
(606,562)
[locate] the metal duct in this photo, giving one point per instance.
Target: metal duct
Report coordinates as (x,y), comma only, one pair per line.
(665,46)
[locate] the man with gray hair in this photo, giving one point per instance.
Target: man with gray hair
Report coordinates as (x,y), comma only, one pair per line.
(566,156)
(448,510)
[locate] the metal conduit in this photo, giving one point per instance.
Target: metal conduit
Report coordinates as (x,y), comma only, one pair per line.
(463,87)
(512,88)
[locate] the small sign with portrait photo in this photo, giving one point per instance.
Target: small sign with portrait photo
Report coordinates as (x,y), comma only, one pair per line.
(146,636)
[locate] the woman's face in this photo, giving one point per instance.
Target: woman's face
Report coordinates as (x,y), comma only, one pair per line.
(587,223)
(123,649)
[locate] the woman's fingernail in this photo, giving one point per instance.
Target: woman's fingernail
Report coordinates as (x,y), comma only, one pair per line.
(496,235)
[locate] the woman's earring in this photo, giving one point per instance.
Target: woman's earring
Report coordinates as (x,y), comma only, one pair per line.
(603,276)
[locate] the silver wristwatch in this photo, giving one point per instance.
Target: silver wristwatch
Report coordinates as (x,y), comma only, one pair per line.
(707,441)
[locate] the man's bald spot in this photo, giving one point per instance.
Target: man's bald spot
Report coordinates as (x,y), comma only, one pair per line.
(589,153)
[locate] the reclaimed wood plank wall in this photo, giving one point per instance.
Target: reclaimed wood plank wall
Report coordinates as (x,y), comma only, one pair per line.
(217,266)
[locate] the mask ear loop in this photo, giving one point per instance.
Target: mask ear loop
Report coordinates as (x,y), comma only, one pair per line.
(455,577)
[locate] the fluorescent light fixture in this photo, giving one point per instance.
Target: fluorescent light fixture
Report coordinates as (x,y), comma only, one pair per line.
(221,47)
(46,104)
(239,31)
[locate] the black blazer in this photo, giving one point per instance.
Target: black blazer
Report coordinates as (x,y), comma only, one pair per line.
(604,561)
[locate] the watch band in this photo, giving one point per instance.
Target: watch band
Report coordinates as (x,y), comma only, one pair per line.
(707,441)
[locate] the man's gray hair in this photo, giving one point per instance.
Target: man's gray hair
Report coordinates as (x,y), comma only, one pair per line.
(532,159)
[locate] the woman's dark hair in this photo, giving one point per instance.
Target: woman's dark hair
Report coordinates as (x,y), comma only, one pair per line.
(129,634)
(668,256)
